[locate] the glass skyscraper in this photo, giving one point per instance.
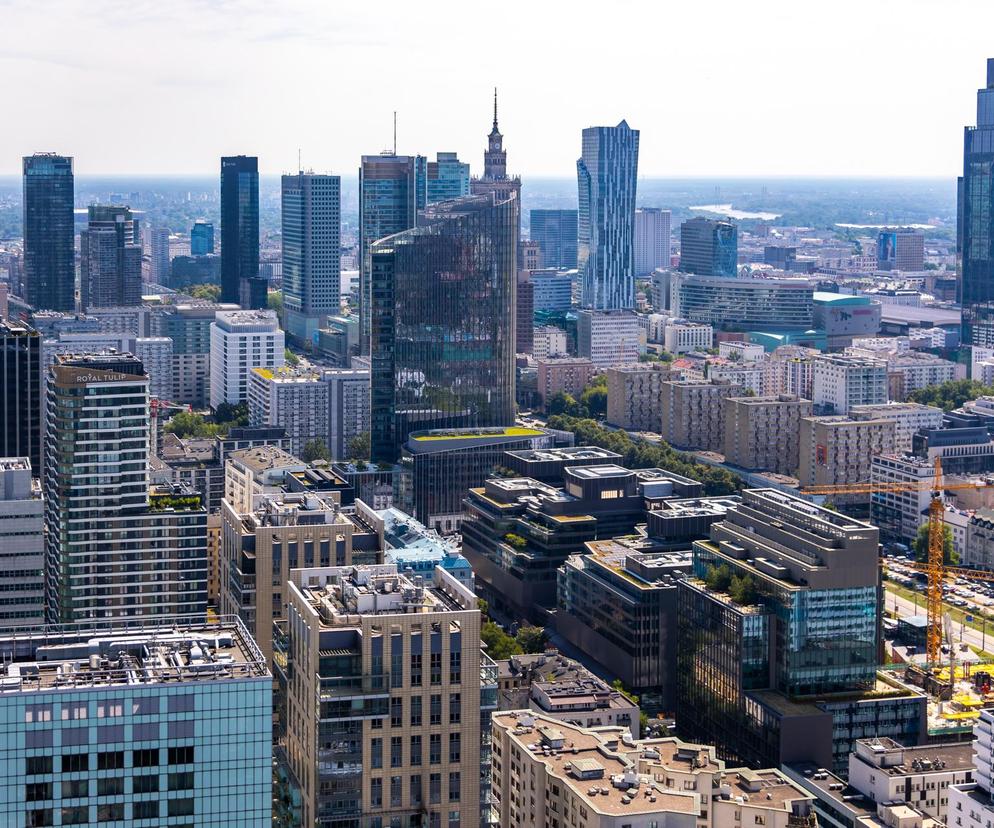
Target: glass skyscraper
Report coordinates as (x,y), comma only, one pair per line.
(49,259)
(976,221)
(110,266)
(202,238)
(447,177)
(311,252)
(709,247)
(607,172)
(20,402)
(388,204)
(240,280)
(443,305)
(555,232)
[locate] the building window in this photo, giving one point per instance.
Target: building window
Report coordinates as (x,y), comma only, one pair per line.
(454,787)
(455,708)
(75,762)
(146,810)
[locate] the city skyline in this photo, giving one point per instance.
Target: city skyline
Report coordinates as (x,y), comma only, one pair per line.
(228,64)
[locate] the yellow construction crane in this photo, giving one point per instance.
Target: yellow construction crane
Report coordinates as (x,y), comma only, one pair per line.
(935,567)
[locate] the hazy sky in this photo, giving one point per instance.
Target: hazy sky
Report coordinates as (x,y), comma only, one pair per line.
(728,87)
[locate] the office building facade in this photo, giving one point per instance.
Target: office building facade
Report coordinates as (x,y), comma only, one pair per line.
(49,235)
(388,204)
(739,304)
(608,337)
(901,249)
(108,733)
(709,247)
(652,240)
(311,252)
(159,270)
(607,173)
(20,395)
(110,262)
(293,399)
(240,279)
(556,234)
(443,324)
(448,177)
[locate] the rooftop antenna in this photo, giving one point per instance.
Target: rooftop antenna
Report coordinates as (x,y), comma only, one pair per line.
(300,166)
(395,132)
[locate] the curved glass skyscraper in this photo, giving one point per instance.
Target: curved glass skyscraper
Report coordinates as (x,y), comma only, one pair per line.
(443,303)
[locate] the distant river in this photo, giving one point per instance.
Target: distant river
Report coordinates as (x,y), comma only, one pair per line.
(726,210)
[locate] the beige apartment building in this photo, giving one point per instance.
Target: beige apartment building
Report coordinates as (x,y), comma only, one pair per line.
(634,395)
(762,433)
(838,450)
(384,705)
(691,413)
(550,773)
(568,374)
(281,531)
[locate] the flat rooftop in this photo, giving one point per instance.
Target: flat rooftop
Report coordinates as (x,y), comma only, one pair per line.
(85,656)
(566,453)
(263,458)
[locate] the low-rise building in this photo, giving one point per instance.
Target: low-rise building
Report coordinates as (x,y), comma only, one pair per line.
(610,780)
(546,465)
(563,689)
(254,471)
(762,432)
(681,336)
(548,341)
(608,337)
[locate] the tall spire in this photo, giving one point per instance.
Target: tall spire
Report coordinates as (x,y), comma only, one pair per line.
(495,108)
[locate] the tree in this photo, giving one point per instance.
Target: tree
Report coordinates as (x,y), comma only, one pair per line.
(718,578)
(950,395)
(232,415)
(500,645)
(315,449)
(514,540)
(920,545)
(291,358)
(209,293)
(532,639)
(560,403)
(594,399)
(274,301)
(742,590)
(358,447)
(188,424)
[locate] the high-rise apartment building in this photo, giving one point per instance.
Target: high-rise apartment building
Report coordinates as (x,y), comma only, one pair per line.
(401,734)
(524,314)
(611,337)
(443,322)
(634,396)
(159,259)
(901,249)
(22,545)
(569,375)
(20,394)
(975,221)
(311,252)
(240,279)
(761,433)
(49,258)
(709,247)
(280,532)
(189,329)
(836,451)
(202,238)
(556,233)
(652,240)
(116,546)
(448,177)
(908,419)
(128,723)
(388,204)
(780,638)
(110,259)
(292,398)
(607,172)
(973,802)
(348,408)
(692,413)
(839,382)
(241,341)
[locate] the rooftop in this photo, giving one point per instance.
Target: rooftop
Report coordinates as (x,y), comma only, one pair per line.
(84,656)
(566,453)
(262,458)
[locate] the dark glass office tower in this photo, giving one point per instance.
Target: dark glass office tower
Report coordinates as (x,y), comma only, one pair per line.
(388,204)
(975,221)
(443,305)
(202,238)
(110,262)
(49,259)
(555,232)
(240,280)
(709,247)
(20,405)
